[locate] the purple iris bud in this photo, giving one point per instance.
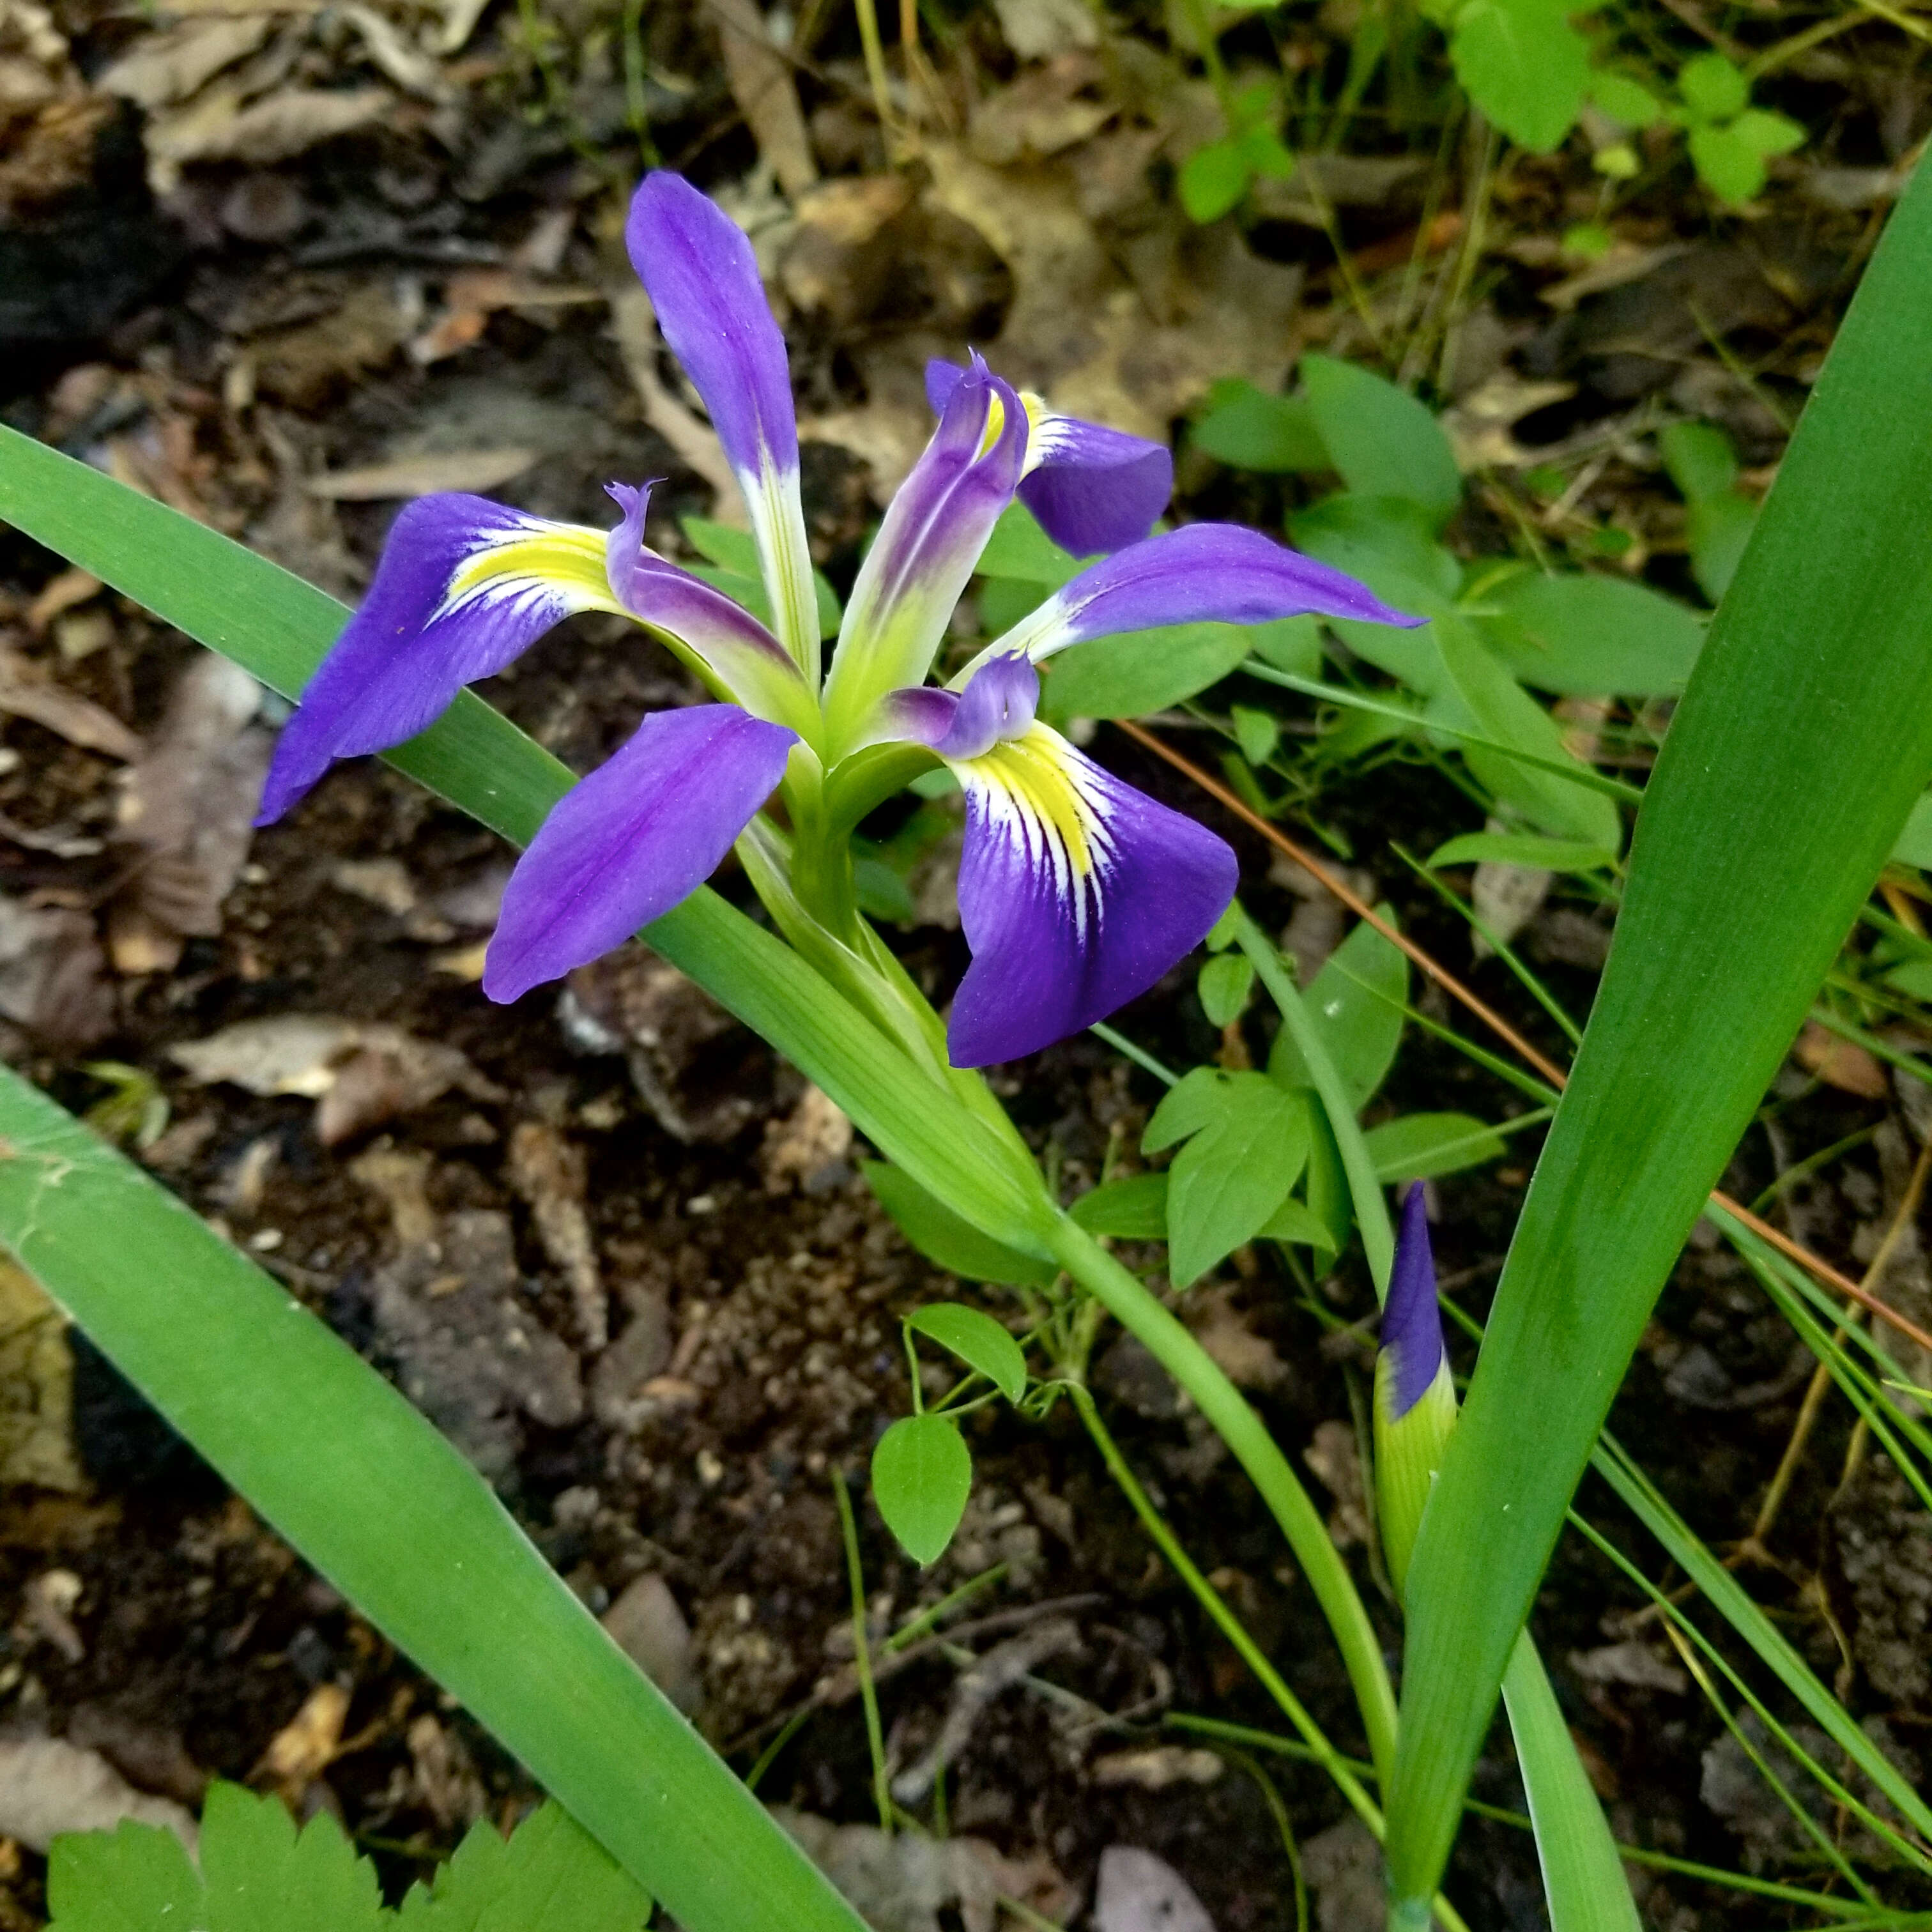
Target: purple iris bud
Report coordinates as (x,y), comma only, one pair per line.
(641,833)
(1092,489)
(1411,1322)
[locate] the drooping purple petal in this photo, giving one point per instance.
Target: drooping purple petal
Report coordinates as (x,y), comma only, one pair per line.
(697,267)
(934,530)
(1411,1322)
(1093,490)
(999,703)
(1202,573)
(1076,893)
(464,586)
(642,832)
(703,625)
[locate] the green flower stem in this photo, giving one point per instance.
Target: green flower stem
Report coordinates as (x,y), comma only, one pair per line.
(1170,1344)
(1365,1190)
(1231,1626)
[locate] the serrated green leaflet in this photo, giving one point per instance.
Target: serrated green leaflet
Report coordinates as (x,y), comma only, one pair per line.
(1802,740)
(259,1873)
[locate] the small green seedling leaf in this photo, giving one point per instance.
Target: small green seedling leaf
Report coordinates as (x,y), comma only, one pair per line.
(136,1878)
(1289,644)
(1719,529)
(551,1875)
(1257,732)
(1713,89)
(1248,428)
(1625,101)
(1295,1221)
(1699,458)
(263,1875)
(1913,846)
(1592,637)
(922,1475)
(1133,1209)
(1223,933)
(1356,1003)
(1418,1147)
(1213,180)
(1139,672)
(1019,549)
(1225,984)
(949,1239)
(978,1340)
(1521,848)
(1247,1142)
(1731,160)
(733,555)
(1383,441)
(1524,64)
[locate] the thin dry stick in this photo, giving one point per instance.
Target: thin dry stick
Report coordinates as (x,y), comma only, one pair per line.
(1821,1376)
(1814,1265)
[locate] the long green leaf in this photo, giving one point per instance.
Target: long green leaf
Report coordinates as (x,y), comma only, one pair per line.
(345,1469)
(1804,738)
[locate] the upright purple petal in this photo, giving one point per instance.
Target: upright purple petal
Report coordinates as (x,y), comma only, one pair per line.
(1411,1322)
(1203,572)
(464,586)
(934,530)
(698,269)
(1093,490)
(1076,893)
(642,832)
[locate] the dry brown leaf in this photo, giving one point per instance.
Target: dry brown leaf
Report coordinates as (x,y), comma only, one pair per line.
(1333,1457)
(1040,113)
(304,366)
(761,83)
(1841,1063)
(472,469)
(27,691)
(49,1786)
(645,1624)
(53,974)
(61,592)
(1136,1891)
(36,1387)
(552,1175)
(807,1147)
(216,126)
(1249,1360)
(185,818)
(1039,29)
(304,1748)
(161,69)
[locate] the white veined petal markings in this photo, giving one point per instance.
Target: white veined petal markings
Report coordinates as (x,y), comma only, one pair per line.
(1047,802)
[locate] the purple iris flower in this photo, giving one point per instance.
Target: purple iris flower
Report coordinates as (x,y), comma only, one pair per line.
(1076,891)
(1411,1322)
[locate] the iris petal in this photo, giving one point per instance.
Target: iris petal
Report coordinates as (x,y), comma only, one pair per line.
(1202,573)
(641,833)
(1093,489)
(464,587)
(934,530)
(1076,893)
(702,277)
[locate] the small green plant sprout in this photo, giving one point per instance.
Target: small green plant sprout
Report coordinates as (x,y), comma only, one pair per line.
(1704,466)
(1730,140)
(257,1872)
(1213,181)
(922,1469)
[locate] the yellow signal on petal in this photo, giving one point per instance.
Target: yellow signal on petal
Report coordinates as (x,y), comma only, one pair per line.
(561,554)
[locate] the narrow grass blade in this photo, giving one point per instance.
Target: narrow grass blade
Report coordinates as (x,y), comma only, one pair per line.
(1803,740)
(367,1491)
